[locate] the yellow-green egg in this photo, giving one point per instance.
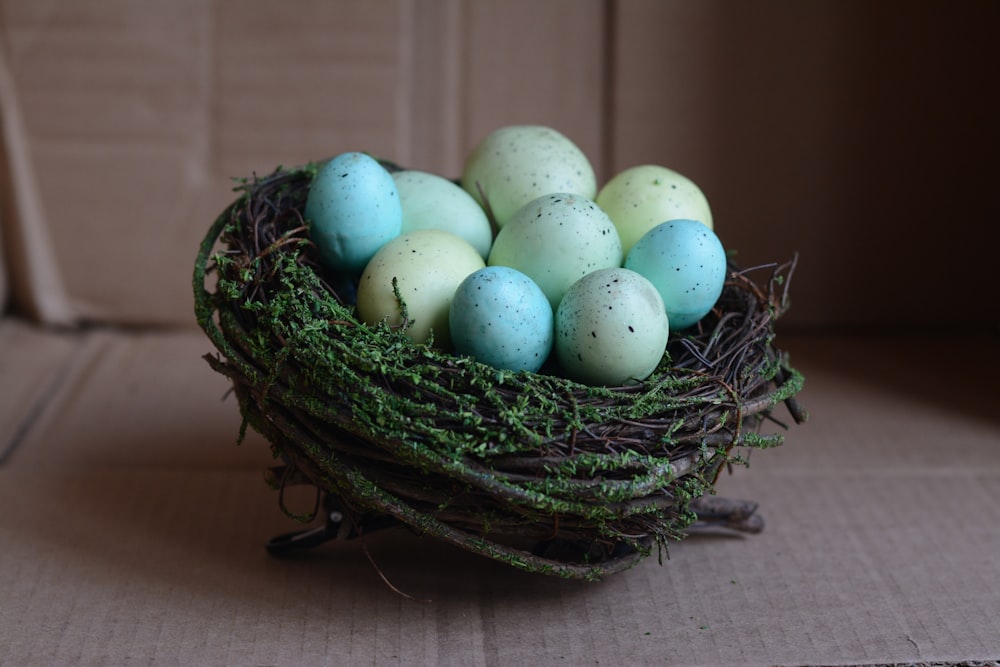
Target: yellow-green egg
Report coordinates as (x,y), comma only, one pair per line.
(639,198)
(427,265)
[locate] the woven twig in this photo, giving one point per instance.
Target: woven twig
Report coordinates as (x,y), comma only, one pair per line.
(531,469)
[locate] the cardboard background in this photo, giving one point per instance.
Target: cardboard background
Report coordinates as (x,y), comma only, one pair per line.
(862,136)
(142,541)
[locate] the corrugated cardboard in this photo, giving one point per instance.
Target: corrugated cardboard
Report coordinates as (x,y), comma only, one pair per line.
(3,275)
(827,128)
(136,535)
(834,129)
(26,258)
(34,364)
(128,403)
(139,115)
(134,526)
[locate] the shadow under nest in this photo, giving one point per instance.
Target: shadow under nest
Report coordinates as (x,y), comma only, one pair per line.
(531,469)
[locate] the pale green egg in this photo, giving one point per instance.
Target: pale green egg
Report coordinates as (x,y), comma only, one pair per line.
(430,201)
(611,328)
(555,240)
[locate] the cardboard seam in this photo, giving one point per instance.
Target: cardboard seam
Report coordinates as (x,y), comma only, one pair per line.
(35,283)
(47,398)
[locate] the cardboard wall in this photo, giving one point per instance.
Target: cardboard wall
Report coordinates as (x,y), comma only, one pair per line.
(862,136)
(4,297)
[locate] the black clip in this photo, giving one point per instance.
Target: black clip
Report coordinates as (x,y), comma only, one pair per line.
(336,526)
(311,537)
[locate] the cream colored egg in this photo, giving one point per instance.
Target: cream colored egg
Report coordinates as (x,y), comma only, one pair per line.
(518,163)
(427,265)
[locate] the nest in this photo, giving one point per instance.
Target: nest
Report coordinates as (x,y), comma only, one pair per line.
(531,469)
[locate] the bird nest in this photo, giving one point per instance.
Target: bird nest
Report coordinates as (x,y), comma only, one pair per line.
(531,469)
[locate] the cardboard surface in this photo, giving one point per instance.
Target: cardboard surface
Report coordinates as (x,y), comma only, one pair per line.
(134,531)
(144,400)
(4,280)
(810,128)
(27,262)
(808,125)
(133,525)
(138,116)
(34,364)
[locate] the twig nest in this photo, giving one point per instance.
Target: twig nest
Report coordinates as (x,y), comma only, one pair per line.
(529,468)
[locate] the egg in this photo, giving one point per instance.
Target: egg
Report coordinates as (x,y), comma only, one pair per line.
(686,262)
(430,201)
(518,163)
(427,265)
(502,318)
(555,240)
(641,197)
(352,209)
(611,328)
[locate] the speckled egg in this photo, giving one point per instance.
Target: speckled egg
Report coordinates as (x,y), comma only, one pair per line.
(518,163)
(686,262)
(611,328)
(502,318)
(430,201)
(427,265)
(352,209)
(639,198)
(556,239)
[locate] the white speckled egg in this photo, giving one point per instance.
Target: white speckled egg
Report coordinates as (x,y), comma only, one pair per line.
(518,163)
(555,240)
(686,262)
(430,201)
(428,265)
(352,209)
(611,328)
(639,198)
(502,318)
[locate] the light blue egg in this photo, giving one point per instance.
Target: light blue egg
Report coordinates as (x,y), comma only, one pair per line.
(352,210)
(686,262)
(502,318)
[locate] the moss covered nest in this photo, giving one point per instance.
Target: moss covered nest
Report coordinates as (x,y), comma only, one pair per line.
(531,469)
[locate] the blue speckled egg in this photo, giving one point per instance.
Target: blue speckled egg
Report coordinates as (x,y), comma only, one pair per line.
(352,210)
(686,262)
(502,318)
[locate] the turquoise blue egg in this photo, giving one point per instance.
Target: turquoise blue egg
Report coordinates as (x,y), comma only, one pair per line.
(502,318)
(352,210)
(686,262)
